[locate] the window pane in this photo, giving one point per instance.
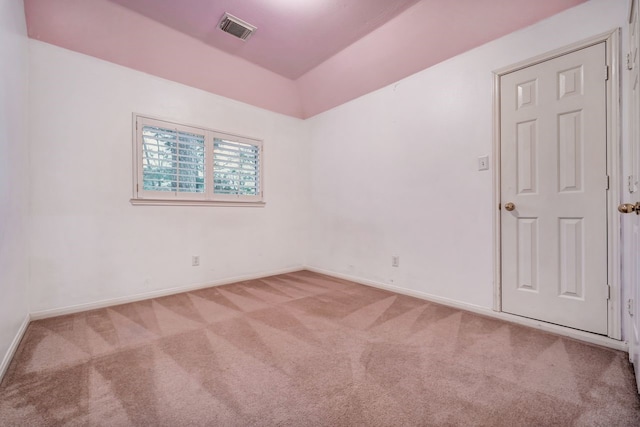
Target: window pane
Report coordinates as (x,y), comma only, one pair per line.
(172,160)
(236,168)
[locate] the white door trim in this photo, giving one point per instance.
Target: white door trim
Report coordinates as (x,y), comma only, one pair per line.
(612,43)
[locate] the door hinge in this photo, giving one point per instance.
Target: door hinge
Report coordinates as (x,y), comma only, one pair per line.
(630,307)
(137,188)
(606,72)
(608,292)
(608,182)
(629,62)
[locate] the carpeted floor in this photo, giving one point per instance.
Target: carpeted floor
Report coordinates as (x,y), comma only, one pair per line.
(303,349)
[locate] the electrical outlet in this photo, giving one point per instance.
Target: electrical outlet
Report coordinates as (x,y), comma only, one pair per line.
(195,260)
(483,163)
(395,261)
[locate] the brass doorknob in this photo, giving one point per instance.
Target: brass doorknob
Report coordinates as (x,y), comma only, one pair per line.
(629,208)
(509,206)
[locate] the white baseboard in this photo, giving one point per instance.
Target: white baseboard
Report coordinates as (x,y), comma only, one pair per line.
(547,327)
(13,347)
(44,314)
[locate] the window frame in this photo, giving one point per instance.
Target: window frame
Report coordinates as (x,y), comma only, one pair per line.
(206,198)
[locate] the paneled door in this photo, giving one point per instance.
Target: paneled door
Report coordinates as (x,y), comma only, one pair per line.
(631,224)
(553,188)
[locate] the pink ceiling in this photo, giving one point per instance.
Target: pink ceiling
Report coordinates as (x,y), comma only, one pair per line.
(293,36)
(306,57)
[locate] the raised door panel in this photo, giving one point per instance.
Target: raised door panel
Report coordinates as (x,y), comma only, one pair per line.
(527,254)
(572,252)
(570,159)
(527,165)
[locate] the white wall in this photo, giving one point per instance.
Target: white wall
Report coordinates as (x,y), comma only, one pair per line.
(395,172)
(14,176)
(88,243)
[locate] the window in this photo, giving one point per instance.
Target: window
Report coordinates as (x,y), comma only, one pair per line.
(178,164)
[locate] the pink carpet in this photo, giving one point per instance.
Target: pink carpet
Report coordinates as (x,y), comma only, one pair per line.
(303,349)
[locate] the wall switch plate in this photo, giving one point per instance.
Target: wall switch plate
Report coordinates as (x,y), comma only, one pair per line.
(395,261)
(483,163)
(195,260)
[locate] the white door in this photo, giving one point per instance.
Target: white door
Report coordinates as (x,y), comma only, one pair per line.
(631,224)
(554,176)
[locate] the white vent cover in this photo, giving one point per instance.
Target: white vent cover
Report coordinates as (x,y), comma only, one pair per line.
(236,26)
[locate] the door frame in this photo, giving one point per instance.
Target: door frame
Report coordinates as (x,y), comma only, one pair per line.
(614,168)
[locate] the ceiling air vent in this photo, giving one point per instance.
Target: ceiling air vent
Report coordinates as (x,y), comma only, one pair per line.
(236,27)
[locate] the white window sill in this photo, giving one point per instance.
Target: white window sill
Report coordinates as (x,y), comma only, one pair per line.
(161,202)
